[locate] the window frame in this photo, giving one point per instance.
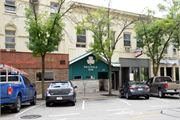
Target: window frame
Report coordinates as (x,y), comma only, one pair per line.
(10,6)
(10,43)
(52,7)
(174,50)
(77,79)
(82,44)
(44,76)
(127,39)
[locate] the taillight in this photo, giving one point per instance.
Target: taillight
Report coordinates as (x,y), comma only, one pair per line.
(131,88)
(47,90)
(147,87)
(10,90)
(71,90)
(166,85)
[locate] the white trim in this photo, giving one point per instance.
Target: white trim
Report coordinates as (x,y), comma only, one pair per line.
(103,59)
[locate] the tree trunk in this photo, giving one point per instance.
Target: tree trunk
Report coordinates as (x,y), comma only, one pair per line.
(109,78)
(43,71)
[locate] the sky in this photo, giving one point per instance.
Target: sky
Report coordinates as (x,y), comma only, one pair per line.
(135,6)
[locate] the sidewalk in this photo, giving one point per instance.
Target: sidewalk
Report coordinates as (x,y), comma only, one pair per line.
(94,95)
(98,95)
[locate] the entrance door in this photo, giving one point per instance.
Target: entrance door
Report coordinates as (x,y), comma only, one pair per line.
(168,71)
(112,80)
(125,75)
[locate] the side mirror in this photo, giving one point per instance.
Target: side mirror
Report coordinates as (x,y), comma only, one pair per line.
(34,84)
(75,86)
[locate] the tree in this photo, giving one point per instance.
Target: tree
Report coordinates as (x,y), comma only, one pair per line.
(45,31)
(101,25)
(156,34)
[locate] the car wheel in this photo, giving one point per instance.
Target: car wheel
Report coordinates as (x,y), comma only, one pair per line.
(160,93)
(73,103)
(127,95)
(120,95)
(34,100)
(47,104)
(17,105)
(147,96)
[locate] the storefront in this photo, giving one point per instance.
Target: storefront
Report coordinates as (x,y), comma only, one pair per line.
(86,70)
(140,69)
(56,66)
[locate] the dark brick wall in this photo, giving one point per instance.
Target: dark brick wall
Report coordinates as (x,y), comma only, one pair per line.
(60,75)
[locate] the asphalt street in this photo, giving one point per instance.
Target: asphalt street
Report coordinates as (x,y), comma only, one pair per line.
(155,108)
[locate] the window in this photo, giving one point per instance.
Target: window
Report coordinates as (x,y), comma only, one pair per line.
(127,40)
(81,40)
(9,39)
(139,41)
(59,84)
(26,81)
(62,62)
(36,8)
(56,49)
(90,77)
(54,8)
(77,77)
(177,73)
(165,50)
(49,76)
(10,6)
(174,50)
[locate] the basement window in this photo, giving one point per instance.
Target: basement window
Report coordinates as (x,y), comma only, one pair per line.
(77,77)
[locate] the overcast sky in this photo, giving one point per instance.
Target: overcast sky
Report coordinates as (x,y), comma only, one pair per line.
(135,6)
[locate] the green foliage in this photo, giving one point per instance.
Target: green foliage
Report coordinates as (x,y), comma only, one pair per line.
(45,31)
(103,38)
(157,34)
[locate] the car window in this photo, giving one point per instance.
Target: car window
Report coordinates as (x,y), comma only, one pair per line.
(151,80)
(137,83)
(163,79)
(26,81)
(59,84)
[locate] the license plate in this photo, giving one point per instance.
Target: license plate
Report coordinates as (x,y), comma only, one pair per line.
(59,98)
(140,89)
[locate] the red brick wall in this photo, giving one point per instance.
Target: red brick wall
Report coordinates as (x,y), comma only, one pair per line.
(60,75)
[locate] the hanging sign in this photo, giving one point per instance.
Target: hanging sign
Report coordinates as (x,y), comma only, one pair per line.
(138,54)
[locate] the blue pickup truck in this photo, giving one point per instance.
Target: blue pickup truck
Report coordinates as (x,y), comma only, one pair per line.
(16,89)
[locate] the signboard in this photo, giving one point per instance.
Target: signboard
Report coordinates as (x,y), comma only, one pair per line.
(131,76)
(138,54)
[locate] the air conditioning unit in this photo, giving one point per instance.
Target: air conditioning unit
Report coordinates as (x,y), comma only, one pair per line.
(127,48)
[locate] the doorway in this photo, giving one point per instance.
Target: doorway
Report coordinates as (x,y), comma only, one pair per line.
(168,71)
(125,75)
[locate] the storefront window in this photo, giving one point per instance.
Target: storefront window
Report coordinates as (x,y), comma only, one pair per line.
(177,73)
(49,76)
(144,73)
(135,71)
(162,71)
(77,77)
(90,77)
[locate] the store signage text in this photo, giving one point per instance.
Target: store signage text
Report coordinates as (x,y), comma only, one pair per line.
(18,61)
(90,68)
(50,60)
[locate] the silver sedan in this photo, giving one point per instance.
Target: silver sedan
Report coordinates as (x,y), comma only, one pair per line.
(60,91)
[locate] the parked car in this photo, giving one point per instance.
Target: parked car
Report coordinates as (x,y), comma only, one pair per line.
(15,91)
(163,85)
(61,91)
(134,89)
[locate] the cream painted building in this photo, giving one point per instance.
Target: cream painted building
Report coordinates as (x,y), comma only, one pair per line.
(13,37)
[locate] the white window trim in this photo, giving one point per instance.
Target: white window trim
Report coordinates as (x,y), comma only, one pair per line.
(45,72)
(126,39)
(10,6)
(10,43)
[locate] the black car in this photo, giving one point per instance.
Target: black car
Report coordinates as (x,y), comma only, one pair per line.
(61,91)
(134,89)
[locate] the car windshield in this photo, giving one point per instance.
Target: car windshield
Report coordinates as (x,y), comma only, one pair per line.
(59,84)
(137,83)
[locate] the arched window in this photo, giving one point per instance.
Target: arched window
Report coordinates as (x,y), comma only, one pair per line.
(10,33)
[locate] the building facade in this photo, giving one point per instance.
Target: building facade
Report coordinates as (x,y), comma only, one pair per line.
(13,37)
